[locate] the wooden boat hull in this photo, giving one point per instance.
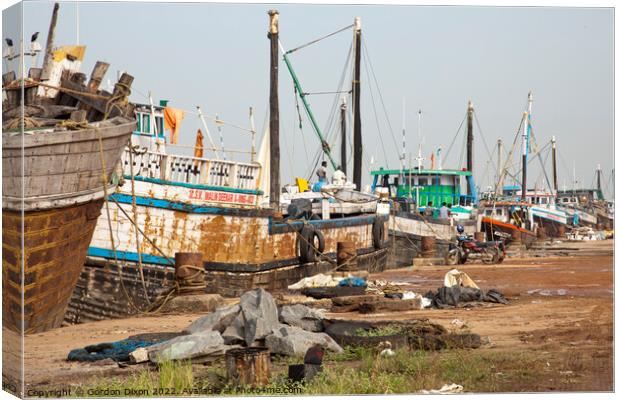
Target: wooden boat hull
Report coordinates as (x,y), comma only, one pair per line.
(243,246)
(53,190)
(407,229)
(55,243)
(507,231)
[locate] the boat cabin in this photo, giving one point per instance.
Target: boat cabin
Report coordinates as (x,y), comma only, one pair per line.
(425,185)
(157,160)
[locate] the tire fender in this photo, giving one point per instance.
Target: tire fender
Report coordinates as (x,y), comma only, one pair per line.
(307,251)
(378,234)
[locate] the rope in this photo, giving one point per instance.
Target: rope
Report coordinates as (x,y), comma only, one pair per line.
(26,122)
(135,216)
(181,286)
(104,179)
(319,39)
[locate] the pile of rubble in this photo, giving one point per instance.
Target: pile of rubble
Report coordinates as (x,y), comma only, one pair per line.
(255,321)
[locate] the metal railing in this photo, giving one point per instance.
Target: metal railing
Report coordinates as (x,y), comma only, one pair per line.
(193,170)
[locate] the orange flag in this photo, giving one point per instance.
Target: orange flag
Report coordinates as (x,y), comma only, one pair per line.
(172,122)
(433,160)
(198,148)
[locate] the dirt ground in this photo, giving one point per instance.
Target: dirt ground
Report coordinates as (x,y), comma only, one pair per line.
(561,308)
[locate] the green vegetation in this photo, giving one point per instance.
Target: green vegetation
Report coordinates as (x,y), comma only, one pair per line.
(355,371)
(386,330)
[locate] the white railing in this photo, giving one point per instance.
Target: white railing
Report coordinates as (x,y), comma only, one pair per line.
(187,169)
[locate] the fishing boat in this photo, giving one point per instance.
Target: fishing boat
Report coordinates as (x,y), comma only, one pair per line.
(412,190)
(513,211)
(56,163)
(587,206)
(229,211)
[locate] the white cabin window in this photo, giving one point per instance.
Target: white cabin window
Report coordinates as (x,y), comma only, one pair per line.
(543,200)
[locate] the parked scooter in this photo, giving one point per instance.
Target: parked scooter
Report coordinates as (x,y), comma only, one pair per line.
(466,248)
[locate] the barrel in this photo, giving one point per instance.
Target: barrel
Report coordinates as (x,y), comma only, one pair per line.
(561,231)
(429,246)
(346,256)
(479,236)
(248,366)
(515,235)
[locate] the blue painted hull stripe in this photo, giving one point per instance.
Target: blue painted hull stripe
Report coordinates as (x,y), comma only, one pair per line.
(128,256)
(190,208)
(274,228)
(194,185)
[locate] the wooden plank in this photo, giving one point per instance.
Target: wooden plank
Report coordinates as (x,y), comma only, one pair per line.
(389,305)
(352,303)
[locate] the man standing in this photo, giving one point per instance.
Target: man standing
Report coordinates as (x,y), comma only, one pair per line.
(443,211)
(428,210)
(321,172)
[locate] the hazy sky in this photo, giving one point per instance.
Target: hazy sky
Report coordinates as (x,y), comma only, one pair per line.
(437,58)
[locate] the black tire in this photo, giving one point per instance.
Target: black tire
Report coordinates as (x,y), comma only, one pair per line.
(378,234)
(309,249)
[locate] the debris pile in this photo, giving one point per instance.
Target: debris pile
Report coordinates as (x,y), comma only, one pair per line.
(255,321)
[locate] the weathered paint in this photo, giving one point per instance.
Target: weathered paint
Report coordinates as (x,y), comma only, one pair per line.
(420,227)
(55,245)
(228,233)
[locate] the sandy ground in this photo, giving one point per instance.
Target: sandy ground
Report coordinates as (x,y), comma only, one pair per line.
(560,307)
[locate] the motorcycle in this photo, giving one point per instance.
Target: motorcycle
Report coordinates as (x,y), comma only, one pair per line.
(465,248)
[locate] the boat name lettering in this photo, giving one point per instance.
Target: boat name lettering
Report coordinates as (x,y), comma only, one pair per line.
(223,197)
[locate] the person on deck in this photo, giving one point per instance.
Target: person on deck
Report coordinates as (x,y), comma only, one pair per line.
(428,211)
(443,211)
(321,172)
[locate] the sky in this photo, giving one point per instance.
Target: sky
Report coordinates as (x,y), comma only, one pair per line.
(435,58)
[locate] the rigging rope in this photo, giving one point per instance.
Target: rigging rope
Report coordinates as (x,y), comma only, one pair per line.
(319,39)
(366,54)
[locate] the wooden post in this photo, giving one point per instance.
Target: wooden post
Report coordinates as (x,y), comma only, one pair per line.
(248,366)
(97,75)
(343,133)
(274,114)
(470,141)
(49,47)
(357,122)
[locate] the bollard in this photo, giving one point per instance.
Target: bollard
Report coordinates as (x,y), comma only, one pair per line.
(516,236)
(479,236)
(248,366)
(428,248)
(346,256)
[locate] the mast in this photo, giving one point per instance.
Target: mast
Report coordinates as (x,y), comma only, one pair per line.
(274,114)
(49,46)
(343,134)
(357,122)
(403,155)
(470,141)
(599,189)
(555,170)
(498,188)
(419,158)
(526,144)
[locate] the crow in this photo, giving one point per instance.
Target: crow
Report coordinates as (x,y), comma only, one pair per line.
(34,36)
(9,42)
